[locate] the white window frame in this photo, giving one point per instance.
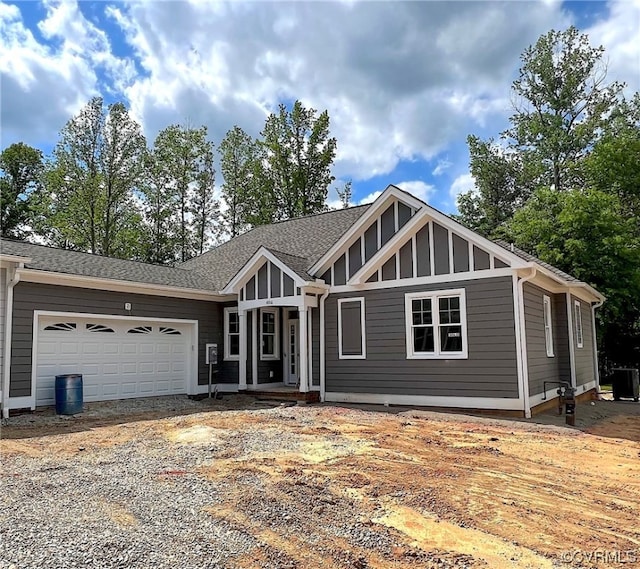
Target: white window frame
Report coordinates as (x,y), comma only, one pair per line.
(276,334)
(548,325)
(363,338)
(577,316)
(435,296)
(228,356)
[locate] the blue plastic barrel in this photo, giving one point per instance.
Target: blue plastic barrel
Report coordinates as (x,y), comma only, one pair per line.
(69,394)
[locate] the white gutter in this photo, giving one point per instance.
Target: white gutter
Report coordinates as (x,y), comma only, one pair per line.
(572,348)
(13,277)
(322,341)
(520,322)
(596,371)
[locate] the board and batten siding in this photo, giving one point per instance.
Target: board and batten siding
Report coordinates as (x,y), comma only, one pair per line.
(584,356)
(31,296)
(3,315)
(489,371)
(541,367)
(315,347)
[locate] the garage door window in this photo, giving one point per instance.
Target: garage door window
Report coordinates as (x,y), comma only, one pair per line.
(61,327)
(99,328)
(169,331)
(140,330)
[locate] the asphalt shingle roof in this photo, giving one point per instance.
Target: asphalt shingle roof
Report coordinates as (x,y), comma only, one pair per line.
(45,258)
(298,265)
(307,238)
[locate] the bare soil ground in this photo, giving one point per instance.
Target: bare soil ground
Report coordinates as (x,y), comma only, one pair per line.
(337,487)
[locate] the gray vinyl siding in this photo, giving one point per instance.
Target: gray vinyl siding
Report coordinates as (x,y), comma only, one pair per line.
(263,288)
(30,296)
(423,253)
(481,259)
(490,370)
(406,260)
(251,288)
(404,214)
(340,271)
(3,304)
(355,258)
(275,281)
(387,225)
(288,285)
(440,249)
(541,367)
(389,269)
(584,356)
(371,241)
(315,346)
(351,319)
(460,254)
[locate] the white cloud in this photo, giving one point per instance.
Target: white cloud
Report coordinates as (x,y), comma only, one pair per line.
(370,198)
(419,189)
(441,167)
(462,184)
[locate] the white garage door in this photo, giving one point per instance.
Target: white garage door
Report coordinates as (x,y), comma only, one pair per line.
(118,359)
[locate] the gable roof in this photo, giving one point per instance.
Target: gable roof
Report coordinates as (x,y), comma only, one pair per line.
(306,238)
(51,259)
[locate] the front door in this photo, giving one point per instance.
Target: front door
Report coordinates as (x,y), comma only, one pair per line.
(292,376)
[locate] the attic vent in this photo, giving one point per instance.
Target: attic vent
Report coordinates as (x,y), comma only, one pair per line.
(99,328)
(140,330)
(170,331)
(62,327)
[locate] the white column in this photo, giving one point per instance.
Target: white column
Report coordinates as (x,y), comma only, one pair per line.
(572,352)
(310,334)
(255,324)
(304,350)
(242,371)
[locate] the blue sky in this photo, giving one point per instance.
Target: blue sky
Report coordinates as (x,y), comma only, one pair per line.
(404,83)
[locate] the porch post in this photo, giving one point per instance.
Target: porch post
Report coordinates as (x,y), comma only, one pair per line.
(242,371)
(304,347)
(255,314)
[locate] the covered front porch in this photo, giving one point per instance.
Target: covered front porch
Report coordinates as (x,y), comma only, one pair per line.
(278,328)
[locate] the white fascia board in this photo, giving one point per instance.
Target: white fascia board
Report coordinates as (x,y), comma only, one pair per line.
(581,290)
(81,281)
(253,264)
(376,208)
(14,258)
(392,246)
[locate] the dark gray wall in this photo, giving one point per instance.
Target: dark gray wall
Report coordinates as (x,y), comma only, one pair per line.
(490,370)
(315,346)
(540,367)
(584,356)
(30,296)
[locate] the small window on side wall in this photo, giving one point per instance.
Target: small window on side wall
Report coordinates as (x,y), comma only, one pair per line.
(577,310)
(269,348)
(351,329)
(231,334)
(436,325)
(548,325)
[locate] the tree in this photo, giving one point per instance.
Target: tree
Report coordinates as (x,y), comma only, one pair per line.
(298,156)
(239,162)
(22,168)
(345,195)
(184,162)
(562,103)
(88,199)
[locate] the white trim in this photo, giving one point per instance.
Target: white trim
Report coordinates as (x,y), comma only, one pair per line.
(450,245)
(378,234)
(242,363)
(310,347)
(539,398)
(577,311)
(472,262)
(261,386)
(4,258)
(432,251)
(254,345)
(12,278)
(227,356)
(80,281)
(276,334)
(322,346)
(219,387)
(363,331)
(414,257)
(395,217)
(20,403)
(192,374)
(428,280)
(434,296)
(522,354)
(587,386)
(547,319)
(594,347)
(572,351)
(506,404)
(303,362)
(269,295)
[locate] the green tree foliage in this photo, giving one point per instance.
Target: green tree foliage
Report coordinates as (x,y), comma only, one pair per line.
(562,103)
(183,164)
(345,195)
(583,233)
(22,168)
(296,170)
(239,162)
(88,198)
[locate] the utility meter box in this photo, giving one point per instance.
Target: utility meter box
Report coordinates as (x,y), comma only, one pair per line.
(212,354)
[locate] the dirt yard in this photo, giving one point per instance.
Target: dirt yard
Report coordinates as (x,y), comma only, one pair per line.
(320,487)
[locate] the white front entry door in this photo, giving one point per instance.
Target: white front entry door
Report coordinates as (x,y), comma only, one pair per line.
(293,349)
(118,358)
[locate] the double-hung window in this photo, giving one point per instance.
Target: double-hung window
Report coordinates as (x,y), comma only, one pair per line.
(577,310)
(231,334)
(269,334)
(436,325)
(548,325)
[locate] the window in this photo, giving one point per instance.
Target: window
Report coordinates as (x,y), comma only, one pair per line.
(231,334)
(269,334)
(548,325)
(577,310)
(140,330)
(170,331)
(351,329)
(436,325)
(61,327)
(99,328)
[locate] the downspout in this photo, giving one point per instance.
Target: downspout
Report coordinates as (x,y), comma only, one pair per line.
(322,351)
(520,320)
(12,281)
(596,370)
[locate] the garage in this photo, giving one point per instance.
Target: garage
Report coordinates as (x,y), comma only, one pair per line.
(118,357)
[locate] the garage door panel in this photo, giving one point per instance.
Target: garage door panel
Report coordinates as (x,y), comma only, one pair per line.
(116,364)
